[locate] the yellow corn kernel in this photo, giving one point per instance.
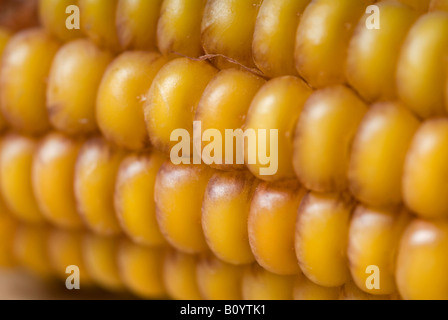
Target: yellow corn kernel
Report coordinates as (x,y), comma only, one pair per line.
(218,280)
(322,237)
(26,63)
(350,291)
(420,73)
(100,258)
(178,194)
(323,137)
(98,22)
(374,237)
(52,177)
(304,289)
(5,35)
(277,106)
(378,154)
(179,27)
(271,224)
(438,5)
(322,40)
(425,170)
(419,5)
(422,261)
(179,276)
(260,284)
(134,198)
(274,36)
(141,269)
(65,249)
(225,209)
(31,250)
(53,17)
(224,106)
(95,173)
(373,54)
(173,98)
(8,227)
(136,22)
(73,83)
(121,96)
(16,159)
(228,28)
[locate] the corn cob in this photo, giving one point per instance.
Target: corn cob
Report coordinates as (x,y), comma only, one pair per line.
(326,122)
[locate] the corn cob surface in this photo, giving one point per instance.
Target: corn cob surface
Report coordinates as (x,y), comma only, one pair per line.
(91,120)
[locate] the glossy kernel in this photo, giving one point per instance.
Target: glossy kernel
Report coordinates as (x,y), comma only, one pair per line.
(225,210)
(134,198)
(53,17)
(53,177)
(272,220)
(274,36)
(136,22)
(323,138)
(425,170)
(373,53)
(16,160)
(322,40)
(322,237)
(223,106)
(73,83)
(374,237)
(179,27)
(95,175)
(26,64)
(121,97)
(378,154)
(228,28)
(420,76)
(304,289)
(422,261)
(173,98)
(179,191)
(98,22)
(277,106)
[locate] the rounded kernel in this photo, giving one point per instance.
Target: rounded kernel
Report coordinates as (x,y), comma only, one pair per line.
(271,224)
(374,237)
(134,198)
(422,261)
(16,160)
(322,236)
(304,289)
(425,188)
(73,83)
(179,27)
(121,96)
(420,75)
(53,171)
(225,210)
(178,193)
(141,269)
(95,175)
(224,108)
(179,276)
(276,106)
(25,68)
(323,138)
(173,98)
(378,154)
